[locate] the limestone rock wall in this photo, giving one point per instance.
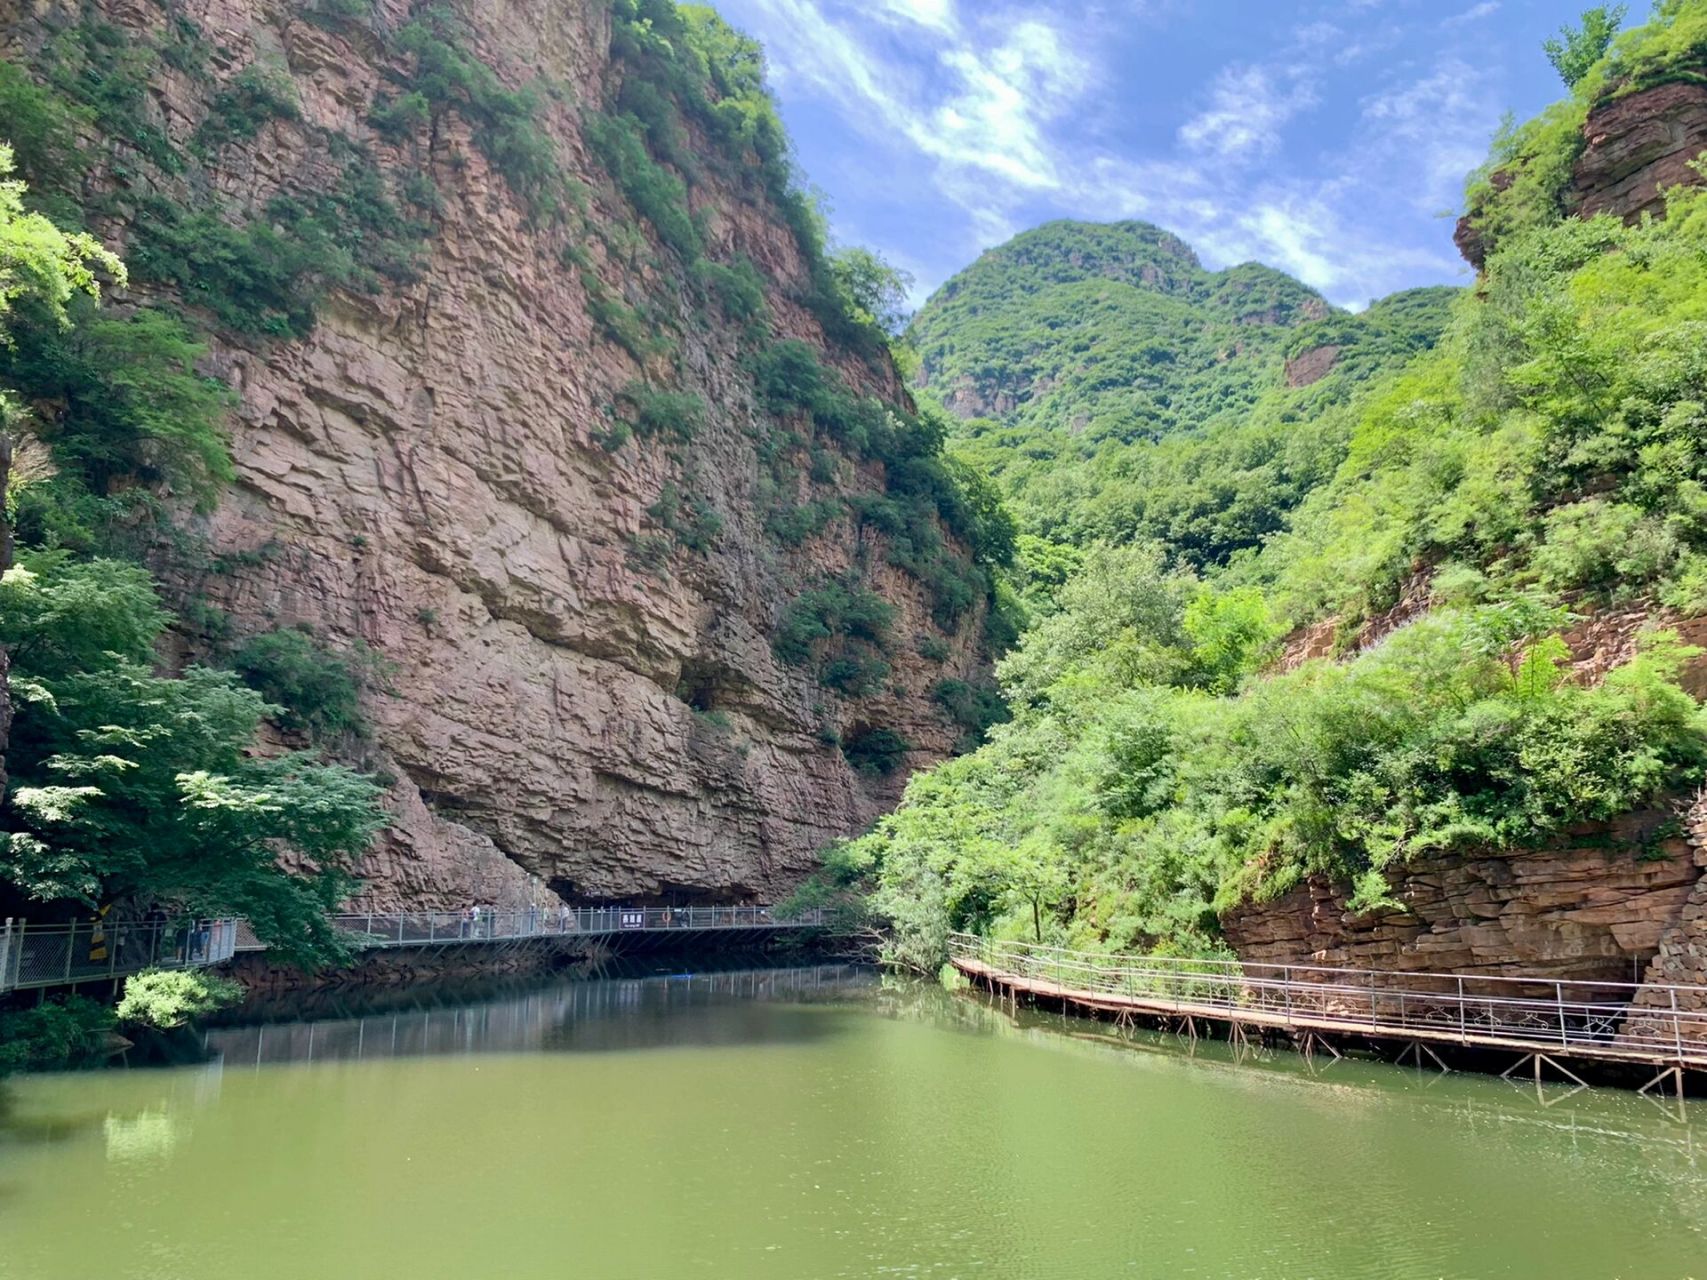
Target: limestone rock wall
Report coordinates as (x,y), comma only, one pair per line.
(423,473)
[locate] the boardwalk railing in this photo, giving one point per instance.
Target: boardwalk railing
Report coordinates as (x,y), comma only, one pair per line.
(35,955)
(1648,1022)
(54,955)
(434,928)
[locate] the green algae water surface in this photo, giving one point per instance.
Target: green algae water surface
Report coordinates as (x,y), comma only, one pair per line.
(817,1123)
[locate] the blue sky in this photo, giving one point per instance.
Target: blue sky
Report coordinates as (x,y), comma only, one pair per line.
(1323,137)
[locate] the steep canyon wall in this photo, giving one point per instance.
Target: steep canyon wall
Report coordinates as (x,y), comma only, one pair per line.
(574,698)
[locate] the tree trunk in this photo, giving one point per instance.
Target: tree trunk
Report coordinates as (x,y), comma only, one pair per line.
(1037,919)
(5,479)
(5,717)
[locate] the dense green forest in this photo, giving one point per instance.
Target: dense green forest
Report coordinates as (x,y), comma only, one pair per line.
(1540,458)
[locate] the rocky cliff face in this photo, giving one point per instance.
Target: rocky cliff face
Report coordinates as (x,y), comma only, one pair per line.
(575,698)
(1624,902)
(1636,147)
(1592,907)
(1633,149)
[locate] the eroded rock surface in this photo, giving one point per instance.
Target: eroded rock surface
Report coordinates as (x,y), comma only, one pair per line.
(573,702)
(1596,907)
(1636,148)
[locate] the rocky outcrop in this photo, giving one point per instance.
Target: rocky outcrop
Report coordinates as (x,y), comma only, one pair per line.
(1637,147)
(1311,366)
(574,700)
(1634,149)
(1467,233)
(1595,907)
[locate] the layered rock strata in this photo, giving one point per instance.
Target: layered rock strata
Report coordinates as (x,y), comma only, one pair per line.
(572,702)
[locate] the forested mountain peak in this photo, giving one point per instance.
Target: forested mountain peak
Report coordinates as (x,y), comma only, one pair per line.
(1069,252)
(1116,387)
(1075,324)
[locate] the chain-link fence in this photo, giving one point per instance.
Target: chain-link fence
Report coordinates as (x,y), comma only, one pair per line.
(51,955)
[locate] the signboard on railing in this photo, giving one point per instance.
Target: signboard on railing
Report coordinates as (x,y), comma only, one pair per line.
(632,920)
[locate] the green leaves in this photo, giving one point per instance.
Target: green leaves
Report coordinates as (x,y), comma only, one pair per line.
(59,617)
(1127,809)
(133,785)
(165,999)
(1575,50)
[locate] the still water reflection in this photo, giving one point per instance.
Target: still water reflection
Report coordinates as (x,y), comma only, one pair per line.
(816,1122)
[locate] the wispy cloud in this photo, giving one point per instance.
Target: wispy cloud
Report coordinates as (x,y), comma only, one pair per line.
(1487,9)
(939,14)
(983,105)
(1249,105)
(1003,116)
(1436,125)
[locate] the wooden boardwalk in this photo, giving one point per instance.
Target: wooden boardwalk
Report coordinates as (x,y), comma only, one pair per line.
(1662,1030)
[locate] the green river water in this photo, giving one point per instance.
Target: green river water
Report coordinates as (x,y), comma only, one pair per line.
(817,1122)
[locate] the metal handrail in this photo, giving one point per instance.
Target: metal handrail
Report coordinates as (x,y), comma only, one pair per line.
(1667,1021)
(51,955)
(55,955)
(377,929)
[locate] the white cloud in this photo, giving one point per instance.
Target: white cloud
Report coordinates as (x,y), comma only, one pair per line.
(1002,117)
(939,15)
(983,107)
(1249,105)
(1434,129)
(1487,9)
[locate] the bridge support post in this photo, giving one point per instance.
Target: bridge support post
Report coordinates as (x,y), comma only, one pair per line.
(1537,1061)
(1312,1040)
(1416,1049)
(1671,1075)
(1671,1103)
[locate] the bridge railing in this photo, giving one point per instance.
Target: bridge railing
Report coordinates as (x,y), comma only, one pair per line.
(53,955)
(1551,1015)
(427,928)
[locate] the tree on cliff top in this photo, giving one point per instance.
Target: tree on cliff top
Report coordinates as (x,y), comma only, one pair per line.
(1576,49)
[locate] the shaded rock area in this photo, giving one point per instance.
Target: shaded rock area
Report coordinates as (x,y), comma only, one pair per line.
(264,980)
(1618,902)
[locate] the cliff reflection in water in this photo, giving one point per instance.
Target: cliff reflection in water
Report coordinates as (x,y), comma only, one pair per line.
(601,1014)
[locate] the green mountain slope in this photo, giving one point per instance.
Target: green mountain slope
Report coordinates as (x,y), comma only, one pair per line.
(1545,458)
(1116,389)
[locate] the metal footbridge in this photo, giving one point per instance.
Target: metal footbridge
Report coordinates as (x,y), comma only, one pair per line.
(1658,1029)
(38,956)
